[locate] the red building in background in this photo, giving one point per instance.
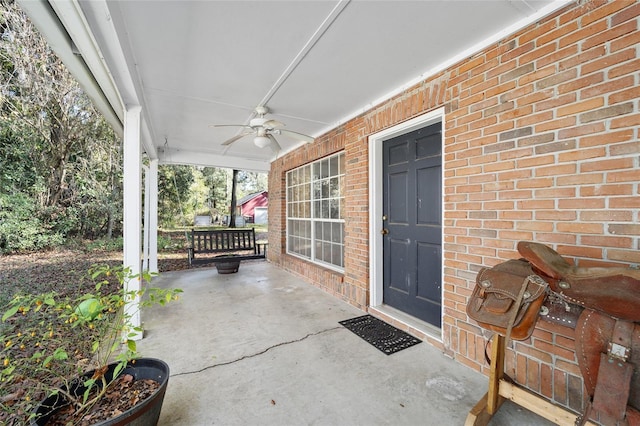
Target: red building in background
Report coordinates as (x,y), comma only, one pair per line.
(253,207)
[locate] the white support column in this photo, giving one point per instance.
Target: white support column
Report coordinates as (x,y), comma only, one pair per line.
(132,195)
(153,216)
(145,232)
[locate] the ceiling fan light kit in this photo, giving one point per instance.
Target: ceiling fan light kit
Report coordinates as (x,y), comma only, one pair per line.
(261,141)
(263,130)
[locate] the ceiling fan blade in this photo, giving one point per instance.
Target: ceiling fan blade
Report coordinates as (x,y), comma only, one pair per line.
(296,135)
(229,125)
(275,146)
(272,124)
(235,138)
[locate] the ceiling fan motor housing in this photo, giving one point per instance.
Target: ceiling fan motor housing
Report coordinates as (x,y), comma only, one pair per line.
(257,122)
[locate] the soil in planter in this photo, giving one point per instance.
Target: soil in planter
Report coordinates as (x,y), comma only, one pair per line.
(121,395)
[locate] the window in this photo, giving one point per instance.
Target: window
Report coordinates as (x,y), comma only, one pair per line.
(315,211)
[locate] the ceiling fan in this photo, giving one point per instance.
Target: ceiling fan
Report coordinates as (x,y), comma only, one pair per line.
(263,130)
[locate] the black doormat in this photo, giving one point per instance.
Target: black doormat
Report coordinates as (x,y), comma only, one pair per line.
(383,336)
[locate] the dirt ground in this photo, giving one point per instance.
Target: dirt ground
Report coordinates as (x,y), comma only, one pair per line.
(66,270)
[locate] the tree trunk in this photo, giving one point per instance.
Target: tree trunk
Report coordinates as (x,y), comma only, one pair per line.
(232,212)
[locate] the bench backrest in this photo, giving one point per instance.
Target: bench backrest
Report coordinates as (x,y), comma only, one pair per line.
(223,240)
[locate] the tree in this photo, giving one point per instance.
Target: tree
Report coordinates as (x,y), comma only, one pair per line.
(174,184)
(56,150)
(232,210)
(216,181)
(251,182)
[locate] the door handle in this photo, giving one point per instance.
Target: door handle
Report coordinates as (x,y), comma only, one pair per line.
(384,231)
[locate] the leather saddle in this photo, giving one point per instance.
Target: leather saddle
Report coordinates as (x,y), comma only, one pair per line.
(607,331)
(614,291)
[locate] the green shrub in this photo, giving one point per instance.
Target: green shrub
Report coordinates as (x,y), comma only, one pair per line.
(107,244)
(21,228)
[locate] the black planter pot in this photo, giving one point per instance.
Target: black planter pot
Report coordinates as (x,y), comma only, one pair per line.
(228,264)
(145,413)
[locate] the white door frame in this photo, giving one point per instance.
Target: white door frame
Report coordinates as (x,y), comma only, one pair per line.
(375,195)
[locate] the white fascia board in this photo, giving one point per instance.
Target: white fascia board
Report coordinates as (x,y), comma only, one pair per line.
(120,90)
(168,156)
(50,27)
(73,19)
(478,47)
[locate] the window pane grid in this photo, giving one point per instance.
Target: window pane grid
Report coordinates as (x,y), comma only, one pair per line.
(315,211)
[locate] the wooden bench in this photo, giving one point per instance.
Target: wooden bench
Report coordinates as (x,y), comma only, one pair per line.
(241,242)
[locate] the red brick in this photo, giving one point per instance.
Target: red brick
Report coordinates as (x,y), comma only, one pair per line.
(584,57)
(542,117)
(556,170)
(587,203)
(624,176)
(546,381)
(534,97)
(607,87)
(580,83)
(610,138)
(536,204)
(556,124)
(580,227)
(606,190)
(624,202)
(605,36)
(601,12)
(625,95)
(626,14)
(626,256)
(516,215)
(578,107)
(557,79)
(613,164)
(558,101)
(556,215)
(553,36)
(624,42)
(540,29)
(626,121)
(606,241)
(581,130)
(538,53)
(608,61)
(555,193)
(560,386)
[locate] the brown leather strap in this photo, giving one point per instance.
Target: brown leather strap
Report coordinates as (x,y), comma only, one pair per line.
(622,335)
(614,376)
(514,314)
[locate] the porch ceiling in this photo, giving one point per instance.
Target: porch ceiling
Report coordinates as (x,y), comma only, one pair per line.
(315,64)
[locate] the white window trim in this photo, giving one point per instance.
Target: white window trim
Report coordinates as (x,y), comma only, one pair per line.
(312,220)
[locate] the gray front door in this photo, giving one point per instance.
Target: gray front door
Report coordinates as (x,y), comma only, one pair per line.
(412,223)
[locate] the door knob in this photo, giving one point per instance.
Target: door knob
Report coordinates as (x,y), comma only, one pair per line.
(384,231)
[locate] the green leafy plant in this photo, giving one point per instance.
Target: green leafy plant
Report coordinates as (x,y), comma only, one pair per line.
(48,342)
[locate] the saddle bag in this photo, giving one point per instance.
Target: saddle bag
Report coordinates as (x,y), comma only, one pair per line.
(507,299)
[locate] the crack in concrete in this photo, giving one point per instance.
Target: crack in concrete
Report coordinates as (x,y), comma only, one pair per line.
(257,353)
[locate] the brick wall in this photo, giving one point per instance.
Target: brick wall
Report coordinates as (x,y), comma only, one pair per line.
(541,143)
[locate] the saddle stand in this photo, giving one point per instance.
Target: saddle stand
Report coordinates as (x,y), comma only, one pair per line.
(500,389)
(607,344)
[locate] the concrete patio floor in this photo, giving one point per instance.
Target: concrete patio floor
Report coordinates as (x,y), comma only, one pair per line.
(262,347)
